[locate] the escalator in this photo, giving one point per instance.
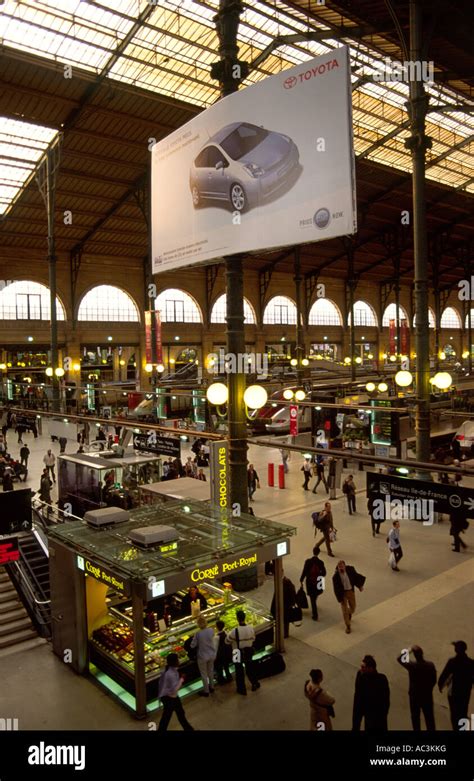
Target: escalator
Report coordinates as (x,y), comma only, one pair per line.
(30,577)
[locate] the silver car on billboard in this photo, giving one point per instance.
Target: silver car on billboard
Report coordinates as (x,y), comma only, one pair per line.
(242,165)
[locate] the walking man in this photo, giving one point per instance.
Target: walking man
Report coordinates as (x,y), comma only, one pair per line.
(320,474)
(394,544)
(242,639)
(325,524)
(306,469)
(459,523)
(252,481)
(314,571)
(168,688)
(285,454)
(344,581)
(49,461)
(349,489)
(422,678)
(24,455)
(459,671)
(371,698)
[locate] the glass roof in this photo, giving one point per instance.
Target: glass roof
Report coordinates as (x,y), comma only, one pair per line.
(206,533)
(167,46)
(21,147)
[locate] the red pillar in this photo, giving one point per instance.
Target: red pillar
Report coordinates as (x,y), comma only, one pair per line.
(271,475)
(281,476)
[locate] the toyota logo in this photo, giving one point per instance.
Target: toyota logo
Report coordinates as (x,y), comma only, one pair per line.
(290,82)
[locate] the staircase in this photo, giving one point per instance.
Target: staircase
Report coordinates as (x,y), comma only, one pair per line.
(15,623)
(33,554)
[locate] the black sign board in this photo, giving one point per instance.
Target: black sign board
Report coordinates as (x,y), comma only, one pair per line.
(154,443)
(15,511)
(9,550)
(446,498)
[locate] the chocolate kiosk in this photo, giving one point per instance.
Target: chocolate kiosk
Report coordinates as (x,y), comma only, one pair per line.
(128,586)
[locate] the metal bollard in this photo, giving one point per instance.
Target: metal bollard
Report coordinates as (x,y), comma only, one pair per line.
(281,476)
(271,475)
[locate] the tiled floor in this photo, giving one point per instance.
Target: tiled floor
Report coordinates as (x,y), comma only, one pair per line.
(428,602)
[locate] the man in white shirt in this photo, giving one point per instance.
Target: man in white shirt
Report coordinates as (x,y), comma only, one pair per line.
(242,639)
(49,461)
(394,544)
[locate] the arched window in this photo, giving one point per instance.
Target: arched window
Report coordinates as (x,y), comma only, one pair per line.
(26,300)
(324,312)
(219,312)
(466,323)
(363,314)
(107,303)
(450,318)
(280,310)
(391,314)
(176,306)
(431,319)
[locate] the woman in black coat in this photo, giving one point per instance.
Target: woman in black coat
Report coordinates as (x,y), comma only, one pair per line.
(289,601)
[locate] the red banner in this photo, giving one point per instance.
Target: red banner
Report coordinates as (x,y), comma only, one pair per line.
(392,331)
(404,338)
(148,337)
(293,420)
(159,347)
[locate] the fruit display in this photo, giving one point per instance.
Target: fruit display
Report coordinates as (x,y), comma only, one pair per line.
(116,637)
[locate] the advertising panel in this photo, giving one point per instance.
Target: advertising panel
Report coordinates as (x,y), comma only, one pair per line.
(269,166)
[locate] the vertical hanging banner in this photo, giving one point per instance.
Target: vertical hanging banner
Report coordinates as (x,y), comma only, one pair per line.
(219,473)
(293,420)
(148,337)
(392,329)
(158,342)
(404,338)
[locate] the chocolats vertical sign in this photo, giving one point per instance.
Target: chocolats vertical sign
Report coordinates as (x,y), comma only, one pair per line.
(219,473)
(276,159)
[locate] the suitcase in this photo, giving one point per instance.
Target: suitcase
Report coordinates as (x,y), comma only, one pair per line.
(270,665)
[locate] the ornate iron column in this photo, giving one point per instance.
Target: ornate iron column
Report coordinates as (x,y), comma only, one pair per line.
(418,143)
(230,71)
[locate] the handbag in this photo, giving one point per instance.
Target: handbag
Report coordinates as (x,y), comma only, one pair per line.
(295,615)
(302,599)
(392,560)
(329,708)
(333,535)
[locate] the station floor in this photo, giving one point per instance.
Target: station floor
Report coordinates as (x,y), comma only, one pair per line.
(429,603)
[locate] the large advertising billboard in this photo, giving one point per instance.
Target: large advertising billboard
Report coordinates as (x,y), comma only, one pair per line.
(269,166)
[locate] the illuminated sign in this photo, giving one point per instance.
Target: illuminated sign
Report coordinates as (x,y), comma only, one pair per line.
(222,476)
(9,551)
(222,568)
(170,546)
(98,572)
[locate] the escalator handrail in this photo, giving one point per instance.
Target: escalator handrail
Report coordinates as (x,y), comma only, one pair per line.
(33,577)
(23,577)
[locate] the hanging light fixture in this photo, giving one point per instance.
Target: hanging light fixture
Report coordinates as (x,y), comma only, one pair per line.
(255,397)
(288,394)
(382,387)
(404,379)
(217,393)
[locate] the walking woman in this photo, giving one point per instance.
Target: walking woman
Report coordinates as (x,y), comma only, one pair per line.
(320,703)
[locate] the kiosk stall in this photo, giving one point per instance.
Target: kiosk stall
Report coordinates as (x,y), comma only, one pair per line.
(88,482)
(118,591)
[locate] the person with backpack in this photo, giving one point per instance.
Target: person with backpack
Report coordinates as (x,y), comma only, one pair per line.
(349,489)
(324,522)
(223,655)
(314,572)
